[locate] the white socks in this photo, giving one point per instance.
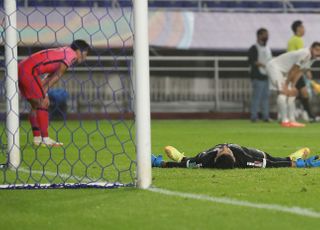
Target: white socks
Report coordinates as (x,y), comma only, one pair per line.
(286,108)
(282,107)
(292,109)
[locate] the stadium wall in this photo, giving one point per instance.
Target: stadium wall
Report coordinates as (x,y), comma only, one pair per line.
(191,32)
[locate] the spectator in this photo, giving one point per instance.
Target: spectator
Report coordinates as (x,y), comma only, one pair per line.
(259,54)
(295,43)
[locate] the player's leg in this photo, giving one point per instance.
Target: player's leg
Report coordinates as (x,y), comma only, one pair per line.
(292,112)
(40,109)
(304,98)
(283,109)
(292,109)
(255,101)
(302,86)
(277,162)
(277,81)
(43,120)
(35,127)
(31,88)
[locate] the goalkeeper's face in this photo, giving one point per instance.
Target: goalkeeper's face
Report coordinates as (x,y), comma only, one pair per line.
(225,151)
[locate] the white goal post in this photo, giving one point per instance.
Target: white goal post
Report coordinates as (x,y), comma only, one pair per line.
(142,92)
(12,97)
(142,89)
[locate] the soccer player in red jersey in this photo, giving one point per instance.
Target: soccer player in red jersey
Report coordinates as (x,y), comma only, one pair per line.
(53,63)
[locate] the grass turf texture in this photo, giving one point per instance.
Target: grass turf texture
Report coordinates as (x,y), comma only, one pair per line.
(131,208)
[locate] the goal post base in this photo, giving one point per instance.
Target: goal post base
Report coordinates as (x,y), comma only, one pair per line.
(98,185)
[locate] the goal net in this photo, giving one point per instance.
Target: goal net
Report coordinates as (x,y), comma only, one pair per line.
(91,108)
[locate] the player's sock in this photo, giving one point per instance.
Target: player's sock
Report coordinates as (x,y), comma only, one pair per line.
(306,106)
(34,124)
(292,108)
(282,107)
(43,121)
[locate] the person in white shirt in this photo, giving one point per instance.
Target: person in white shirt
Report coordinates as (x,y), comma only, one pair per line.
(284,71)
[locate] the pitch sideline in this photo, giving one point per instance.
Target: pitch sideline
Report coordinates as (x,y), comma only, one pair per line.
(221,200)
(228,201)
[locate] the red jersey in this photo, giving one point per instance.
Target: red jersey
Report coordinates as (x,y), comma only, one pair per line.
(48,61)
(43,62)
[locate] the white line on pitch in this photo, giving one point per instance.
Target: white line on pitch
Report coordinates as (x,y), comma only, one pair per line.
(273,207)
(49,173)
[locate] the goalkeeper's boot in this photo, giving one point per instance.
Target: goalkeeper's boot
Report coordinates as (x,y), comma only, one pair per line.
(300,154)
(173,153)
(156,161)
(48,142)
(37,140)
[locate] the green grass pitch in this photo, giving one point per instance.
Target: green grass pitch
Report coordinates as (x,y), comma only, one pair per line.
(130,208)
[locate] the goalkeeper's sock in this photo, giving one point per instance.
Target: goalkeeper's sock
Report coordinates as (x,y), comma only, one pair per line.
(34,123)
(43,121)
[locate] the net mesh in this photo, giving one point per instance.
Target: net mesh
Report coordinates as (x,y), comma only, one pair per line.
(91,107)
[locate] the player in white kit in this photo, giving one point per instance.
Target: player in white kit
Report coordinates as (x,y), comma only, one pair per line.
(284,71)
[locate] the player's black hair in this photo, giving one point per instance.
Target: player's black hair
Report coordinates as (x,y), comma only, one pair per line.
(261,31)
(80,45)
(315,44)
(224,162)
(295,26)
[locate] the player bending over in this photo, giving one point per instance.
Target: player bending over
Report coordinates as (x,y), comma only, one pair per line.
(284,71)
(228,156)
(303,84)
(53,63)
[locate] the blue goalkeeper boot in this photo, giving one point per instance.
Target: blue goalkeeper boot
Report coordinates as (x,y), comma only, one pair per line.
(156,161)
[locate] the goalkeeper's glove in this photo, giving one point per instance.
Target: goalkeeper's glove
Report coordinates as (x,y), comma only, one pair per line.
(156,161)
(313,161)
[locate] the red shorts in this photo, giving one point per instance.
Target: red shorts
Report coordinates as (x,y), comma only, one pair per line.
(30,86)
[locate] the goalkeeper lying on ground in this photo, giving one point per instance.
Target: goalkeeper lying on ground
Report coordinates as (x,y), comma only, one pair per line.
(228,156)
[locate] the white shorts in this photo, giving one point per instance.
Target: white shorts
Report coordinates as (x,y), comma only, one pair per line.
(277,78)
